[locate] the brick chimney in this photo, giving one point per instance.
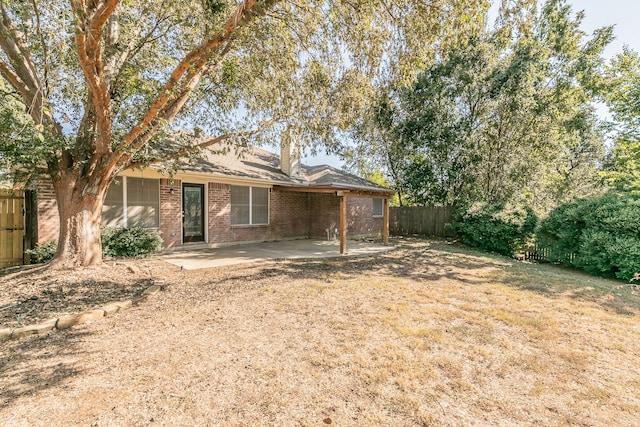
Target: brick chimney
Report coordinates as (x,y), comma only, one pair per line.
(289,153)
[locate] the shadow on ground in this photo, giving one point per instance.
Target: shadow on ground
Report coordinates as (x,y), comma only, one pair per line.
(435,261)
(33,365)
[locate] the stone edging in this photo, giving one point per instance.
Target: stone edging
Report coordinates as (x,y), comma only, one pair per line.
(65,322)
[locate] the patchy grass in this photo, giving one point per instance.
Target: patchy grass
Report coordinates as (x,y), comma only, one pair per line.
(430,334)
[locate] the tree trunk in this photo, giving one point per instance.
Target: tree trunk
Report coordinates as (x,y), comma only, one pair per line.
(80,209)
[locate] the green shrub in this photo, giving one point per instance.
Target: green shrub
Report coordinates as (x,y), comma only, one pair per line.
(42,253)
(603,233)
(561,232)
(130,242)
(500,229)
(116,242)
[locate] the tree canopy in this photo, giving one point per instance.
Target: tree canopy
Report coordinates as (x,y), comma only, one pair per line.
(622,167)
(102,81)
(506,115)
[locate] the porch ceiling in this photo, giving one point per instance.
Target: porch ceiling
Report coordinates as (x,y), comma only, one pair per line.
(338,191)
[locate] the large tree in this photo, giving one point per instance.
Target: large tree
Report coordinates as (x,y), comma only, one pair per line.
(505,115)
(622,168)
(102,80)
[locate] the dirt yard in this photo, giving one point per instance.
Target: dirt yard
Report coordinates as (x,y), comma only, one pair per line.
(429,334)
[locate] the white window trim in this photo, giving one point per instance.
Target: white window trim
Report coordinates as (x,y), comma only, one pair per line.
(251,224)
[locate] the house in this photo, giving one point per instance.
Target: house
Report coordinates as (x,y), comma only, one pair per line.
(224,199)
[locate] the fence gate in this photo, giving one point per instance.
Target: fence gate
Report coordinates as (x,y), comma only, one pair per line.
(12,231)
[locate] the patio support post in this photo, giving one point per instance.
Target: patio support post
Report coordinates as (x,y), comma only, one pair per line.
(385,222)
(343,224)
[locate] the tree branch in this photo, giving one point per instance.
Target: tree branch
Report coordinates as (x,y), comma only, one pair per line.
(174,107)
(17,83)
(45,49)
(23,69)
(90,23)
(201,146)
(187,74)
(118,60)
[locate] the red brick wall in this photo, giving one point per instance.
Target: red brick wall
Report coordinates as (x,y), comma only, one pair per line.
(291,215)
(324,212)
(47,213)
(171,212)
(288,217)
(219,213)
(360,219)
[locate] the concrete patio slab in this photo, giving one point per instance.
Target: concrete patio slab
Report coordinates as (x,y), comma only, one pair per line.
(193,259)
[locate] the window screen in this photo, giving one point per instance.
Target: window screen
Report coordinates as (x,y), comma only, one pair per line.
(259,205)
(240,205)
(377,207)
(143,203)
(112,210)
(249,205)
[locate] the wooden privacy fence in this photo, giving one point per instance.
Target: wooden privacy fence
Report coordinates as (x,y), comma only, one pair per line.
(421,220)
(11,228)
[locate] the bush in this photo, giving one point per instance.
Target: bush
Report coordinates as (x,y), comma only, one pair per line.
(130,242)
(116,242)
(603,233)
(500,229)
(42,252)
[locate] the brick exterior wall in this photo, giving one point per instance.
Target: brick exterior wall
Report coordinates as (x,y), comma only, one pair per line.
(288,217)
(360,219)
(219,212)
(324,212)
(171,212)
(48,219)
(291,215)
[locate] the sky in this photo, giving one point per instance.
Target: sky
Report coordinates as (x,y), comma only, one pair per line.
(623,14)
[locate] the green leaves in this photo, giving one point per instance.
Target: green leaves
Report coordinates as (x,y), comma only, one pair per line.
(503,115)
(601,234)
(622,95)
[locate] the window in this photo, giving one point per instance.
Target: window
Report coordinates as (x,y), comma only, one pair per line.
(132,202)
(112,210)
(249,205)
(377,207)
(143,203)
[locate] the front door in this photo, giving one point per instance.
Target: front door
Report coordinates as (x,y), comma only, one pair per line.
(192,213)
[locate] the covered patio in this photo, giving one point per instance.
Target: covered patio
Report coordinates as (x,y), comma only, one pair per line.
(206,257)
(342,192)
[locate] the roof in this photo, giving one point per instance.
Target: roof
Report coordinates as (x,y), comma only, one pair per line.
(259,164)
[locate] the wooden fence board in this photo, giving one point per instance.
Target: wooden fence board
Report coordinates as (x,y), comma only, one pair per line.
(11,228)
(420,220)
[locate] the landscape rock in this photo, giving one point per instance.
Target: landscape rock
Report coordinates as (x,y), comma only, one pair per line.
(111,308)
(37,329)
(77,319)
(151,290)
(124,304)
(5,334)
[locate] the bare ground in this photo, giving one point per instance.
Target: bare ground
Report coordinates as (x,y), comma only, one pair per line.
(429,334)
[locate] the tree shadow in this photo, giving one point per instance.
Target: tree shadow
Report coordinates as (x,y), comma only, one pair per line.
(35,364)
(434,262)
(415,263)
